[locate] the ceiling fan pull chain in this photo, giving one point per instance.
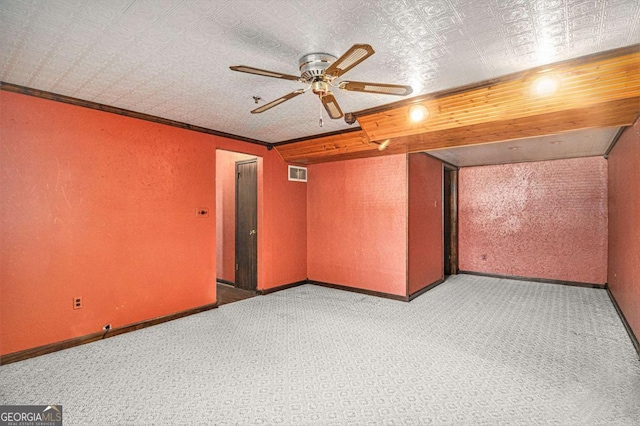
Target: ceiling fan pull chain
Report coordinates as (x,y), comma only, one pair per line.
(320,122)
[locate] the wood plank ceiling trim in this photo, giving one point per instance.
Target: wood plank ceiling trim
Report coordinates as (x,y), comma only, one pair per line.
(309,151)
(610,114)
(582,60)
(597,91)
(580,86)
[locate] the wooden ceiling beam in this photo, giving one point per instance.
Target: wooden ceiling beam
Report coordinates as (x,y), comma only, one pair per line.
(600,57)
(608,114)
(511,100)
(601,90)
(328,146)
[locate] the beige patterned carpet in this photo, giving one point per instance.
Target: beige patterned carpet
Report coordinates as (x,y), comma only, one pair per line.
(474,350)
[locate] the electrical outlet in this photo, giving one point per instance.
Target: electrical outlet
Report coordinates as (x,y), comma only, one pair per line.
(106,327)
(77,302)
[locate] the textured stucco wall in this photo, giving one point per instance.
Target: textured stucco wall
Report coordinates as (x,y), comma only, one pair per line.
(282,230)
(357,223)
(425,261)
(624,225)
(103,206)
(540,220)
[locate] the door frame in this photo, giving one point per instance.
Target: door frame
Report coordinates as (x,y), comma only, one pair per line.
(450,260)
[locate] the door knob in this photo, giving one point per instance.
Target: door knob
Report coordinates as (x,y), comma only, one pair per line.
(252,232)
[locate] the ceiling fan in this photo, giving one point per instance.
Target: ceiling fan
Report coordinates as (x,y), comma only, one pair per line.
(320,71)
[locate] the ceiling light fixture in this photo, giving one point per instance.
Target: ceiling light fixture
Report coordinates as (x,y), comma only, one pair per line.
(418,112)
(383,145)
(546,85)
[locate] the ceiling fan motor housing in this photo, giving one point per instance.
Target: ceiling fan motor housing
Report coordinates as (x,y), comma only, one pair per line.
(312,66)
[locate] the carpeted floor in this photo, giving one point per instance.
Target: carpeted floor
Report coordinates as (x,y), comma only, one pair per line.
(474,350)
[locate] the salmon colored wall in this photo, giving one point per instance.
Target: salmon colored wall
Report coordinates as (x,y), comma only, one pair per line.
(282,233)
(624,225)
(226,212)
(425,222)
(103,206)
(539,220)
(357,223)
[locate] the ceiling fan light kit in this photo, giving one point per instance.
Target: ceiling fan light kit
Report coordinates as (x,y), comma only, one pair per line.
(320,72)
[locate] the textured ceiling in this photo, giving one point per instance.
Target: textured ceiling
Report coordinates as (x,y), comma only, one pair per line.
(171,58)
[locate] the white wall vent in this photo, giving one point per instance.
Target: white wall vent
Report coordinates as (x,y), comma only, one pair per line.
(297,173)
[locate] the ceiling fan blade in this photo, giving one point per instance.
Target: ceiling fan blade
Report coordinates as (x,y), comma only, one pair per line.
(355,55)
(331,105)
(385,89)
(278,101)
(265,73)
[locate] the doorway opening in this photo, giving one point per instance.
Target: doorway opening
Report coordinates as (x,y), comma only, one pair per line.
(236,225)
(450,219)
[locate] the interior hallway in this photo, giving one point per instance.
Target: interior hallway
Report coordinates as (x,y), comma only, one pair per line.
(229,294)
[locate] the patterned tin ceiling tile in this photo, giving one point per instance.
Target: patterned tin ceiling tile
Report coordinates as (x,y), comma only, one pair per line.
(172,58)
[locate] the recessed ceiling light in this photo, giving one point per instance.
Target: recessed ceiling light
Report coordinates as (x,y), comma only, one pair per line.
(418,112)
(545,85)
(514,147)
(556,142)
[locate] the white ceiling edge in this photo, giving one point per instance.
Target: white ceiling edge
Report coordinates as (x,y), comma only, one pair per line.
(578,143)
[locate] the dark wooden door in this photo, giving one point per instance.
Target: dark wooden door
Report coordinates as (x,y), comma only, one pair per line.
(247,225)
(450,216)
